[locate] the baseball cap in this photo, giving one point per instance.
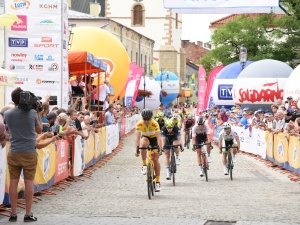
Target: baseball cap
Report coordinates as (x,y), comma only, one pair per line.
(239,115)
(62,116)
(290,97)
(246,108)
(51,115)
(260,110)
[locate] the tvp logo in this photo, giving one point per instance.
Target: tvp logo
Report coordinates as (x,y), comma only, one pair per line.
(18,42)
(225,91)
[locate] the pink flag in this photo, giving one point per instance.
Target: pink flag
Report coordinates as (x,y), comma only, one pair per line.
(132,71)
(138,76)
(211,78)
(201,88)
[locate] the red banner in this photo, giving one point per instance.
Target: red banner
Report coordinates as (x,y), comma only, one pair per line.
(201,88)
(62,159)
(211,78)
(138,76)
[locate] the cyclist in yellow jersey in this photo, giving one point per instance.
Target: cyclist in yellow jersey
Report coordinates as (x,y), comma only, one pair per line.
(148,133)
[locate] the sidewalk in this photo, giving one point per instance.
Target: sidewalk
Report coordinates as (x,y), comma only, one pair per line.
(116,194)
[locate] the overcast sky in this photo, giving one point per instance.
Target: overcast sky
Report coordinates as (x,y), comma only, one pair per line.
(195,26)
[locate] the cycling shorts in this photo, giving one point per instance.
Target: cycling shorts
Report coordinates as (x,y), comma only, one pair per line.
(152,140)
(169,142)
(228,143)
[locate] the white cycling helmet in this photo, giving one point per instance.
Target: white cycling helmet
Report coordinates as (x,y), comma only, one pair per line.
(226,125)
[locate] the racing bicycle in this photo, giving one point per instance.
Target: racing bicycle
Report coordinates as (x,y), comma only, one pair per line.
(188,138)
(150,175)
(173,167)
(204,160)
(229,158)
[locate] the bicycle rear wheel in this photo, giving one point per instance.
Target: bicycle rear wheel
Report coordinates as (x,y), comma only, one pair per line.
(188,141)
(149,181)
(173,168)
(230,164)
(204,167)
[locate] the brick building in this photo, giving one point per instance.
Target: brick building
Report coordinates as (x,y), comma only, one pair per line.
(194,51)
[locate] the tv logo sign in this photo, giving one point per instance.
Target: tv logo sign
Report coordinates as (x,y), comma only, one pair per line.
(225,91)
(18,42)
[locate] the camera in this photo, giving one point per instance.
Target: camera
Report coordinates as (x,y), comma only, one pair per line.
(29,101)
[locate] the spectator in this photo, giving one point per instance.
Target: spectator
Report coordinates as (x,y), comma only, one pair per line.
(104,92)
(223,114)
(288,103)
(2,132)
(109,117)
(274,108)
(45,121)
(279,121)
(22,153)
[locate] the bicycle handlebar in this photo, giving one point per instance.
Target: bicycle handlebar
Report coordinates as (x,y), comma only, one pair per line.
(201,145)
(149,148)
(228,147)
(175,146)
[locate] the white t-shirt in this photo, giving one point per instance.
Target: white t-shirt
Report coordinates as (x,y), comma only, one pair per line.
(104,91)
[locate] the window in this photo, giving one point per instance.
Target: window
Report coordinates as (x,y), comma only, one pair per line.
(137,15)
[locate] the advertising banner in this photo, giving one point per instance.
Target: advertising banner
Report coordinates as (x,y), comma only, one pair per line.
(97,151)
(211,78)
(294,154)
(109,139)
(62,160)
(201,88)
(78,164)
(45,171)
(281,148)
(103,141)
(89,150)
(138,76)
(269,145)
(36,49)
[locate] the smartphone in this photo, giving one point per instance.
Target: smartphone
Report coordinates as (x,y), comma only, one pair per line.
(53,100)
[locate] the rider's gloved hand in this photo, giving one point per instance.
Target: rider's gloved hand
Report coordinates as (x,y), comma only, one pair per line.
(137,152)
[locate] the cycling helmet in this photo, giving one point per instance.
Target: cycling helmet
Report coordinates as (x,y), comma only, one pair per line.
(226,125)
(176,117)
(200,121)
(189,117)
(169,124)
(147,114)
(160,114)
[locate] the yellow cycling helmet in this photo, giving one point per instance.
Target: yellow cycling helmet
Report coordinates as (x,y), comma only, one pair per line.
(169,124)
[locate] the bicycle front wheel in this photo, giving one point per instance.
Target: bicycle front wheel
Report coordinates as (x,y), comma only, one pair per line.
(188,141)
(204,167)
(230,164)
(173,168)
(149,181)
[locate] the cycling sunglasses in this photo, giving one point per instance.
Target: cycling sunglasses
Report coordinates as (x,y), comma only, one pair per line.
(226,128)
(169,127)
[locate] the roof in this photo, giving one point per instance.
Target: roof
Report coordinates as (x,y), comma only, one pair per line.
(226,19)
(192,65)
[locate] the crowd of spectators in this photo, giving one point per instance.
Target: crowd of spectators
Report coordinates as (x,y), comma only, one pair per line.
(280,117)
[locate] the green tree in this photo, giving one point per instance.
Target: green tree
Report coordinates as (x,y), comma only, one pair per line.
(266,36)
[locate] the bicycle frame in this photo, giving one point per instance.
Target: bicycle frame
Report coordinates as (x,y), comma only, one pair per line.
(150,175)
(204,160)
(173,167)
(229,158)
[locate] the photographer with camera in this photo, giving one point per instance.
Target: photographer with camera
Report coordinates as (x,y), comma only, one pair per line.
(23,122)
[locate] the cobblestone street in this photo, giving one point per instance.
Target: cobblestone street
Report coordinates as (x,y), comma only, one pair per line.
(117,194)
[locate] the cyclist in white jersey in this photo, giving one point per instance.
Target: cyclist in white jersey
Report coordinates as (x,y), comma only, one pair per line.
(199,135)
(228,138)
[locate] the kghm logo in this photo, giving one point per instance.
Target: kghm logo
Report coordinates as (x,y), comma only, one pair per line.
(280,150)
(20,4)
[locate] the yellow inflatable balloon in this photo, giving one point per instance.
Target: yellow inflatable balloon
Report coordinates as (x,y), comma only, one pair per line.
(109,49)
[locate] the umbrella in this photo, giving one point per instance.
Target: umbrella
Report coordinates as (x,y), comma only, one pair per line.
(7,78)
(8,19)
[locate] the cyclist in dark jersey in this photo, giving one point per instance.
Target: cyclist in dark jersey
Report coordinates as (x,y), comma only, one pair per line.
(160,119)
(199,135)
(170,135)
(187,124)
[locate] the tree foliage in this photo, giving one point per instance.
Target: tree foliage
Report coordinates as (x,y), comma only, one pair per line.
(266,36)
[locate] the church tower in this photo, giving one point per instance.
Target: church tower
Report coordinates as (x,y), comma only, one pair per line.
(151,19)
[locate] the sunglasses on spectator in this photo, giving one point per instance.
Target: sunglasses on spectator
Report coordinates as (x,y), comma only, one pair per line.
(226,128)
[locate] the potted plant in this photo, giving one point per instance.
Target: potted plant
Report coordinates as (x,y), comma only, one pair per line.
(144,93)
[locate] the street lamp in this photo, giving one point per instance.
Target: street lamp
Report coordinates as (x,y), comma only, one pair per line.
(243,56)
(144,76)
